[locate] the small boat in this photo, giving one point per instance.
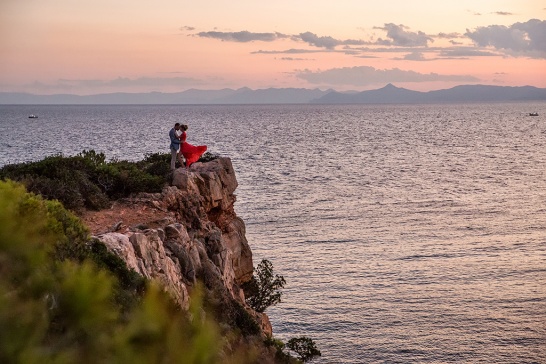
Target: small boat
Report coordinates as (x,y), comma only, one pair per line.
(533,114)
(32,116)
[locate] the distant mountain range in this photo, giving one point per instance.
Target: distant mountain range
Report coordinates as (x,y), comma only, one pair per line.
(389,94)
(470,93)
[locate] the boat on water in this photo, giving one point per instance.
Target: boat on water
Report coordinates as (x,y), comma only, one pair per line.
(533,114)
(32,116)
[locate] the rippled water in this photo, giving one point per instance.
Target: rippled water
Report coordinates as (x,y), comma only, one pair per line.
(407,234)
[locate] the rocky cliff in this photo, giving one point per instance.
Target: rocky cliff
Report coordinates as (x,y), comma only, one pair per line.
(187,233)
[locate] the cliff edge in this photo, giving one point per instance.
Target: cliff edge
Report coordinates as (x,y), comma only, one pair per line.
(187,233)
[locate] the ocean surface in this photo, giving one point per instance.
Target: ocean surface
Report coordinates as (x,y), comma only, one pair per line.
(406,233)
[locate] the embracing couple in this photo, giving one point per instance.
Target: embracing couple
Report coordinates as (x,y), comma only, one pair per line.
(180,148)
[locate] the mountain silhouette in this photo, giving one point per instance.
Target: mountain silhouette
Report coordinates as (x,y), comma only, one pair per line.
(388,94)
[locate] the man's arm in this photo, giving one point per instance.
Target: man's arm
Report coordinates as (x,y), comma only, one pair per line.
(173,137)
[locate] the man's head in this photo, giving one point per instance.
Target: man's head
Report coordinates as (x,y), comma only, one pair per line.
(177,126)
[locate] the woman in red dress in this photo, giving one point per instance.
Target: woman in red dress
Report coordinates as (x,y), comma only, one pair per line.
(191,153)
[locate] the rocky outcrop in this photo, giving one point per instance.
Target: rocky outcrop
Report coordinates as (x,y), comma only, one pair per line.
(204,241)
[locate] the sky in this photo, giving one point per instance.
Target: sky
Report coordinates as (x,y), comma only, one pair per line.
(102,46)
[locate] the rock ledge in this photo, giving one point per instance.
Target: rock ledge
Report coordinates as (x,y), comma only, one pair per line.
(194,234)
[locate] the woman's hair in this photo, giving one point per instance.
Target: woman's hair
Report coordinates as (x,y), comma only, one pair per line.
(184,127)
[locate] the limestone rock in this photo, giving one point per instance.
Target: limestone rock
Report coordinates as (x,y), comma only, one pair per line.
(265,324)
(204,241)
(120,245)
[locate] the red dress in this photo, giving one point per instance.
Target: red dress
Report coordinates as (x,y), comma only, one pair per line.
(191,153)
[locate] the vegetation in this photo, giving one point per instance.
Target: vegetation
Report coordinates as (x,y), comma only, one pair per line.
(88,180)
(280,355)
(65,299)
(263,290)
(305,348)
(207,157)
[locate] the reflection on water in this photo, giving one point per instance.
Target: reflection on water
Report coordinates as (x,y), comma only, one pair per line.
(405,233)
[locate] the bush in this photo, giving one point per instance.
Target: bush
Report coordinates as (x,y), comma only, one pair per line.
(305,348)
(263,290)
(87,180)
(61,306)
(130,286)
(279,346)
(244,320)
(207,157)
(156,164)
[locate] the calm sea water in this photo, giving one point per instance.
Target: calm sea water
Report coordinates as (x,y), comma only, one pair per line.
(407,234)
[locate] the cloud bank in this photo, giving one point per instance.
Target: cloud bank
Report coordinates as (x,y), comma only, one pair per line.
(527,38)
(365,76)
(120,83)
(326,41)
(399,36)
(242,36)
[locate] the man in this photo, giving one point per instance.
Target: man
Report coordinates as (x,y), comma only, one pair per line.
(175,144)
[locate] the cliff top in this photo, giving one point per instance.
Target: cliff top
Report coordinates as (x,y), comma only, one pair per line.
(151,210)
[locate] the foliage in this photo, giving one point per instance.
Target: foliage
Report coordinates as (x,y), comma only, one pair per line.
(58,297)
(130,286)
(156,164)
(71,235)
(244,320)
(207,157)
(88,180)
(280,355)
(227,311)
(263,290)
(305,348)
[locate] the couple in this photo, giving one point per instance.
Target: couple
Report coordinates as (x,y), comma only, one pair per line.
(179,146)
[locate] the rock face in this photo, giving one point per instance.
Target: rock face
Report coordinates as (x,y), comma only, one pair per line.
(206,240)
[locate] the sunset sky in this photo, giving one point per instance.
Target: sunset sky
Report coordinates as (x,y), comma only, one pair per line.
(87,47)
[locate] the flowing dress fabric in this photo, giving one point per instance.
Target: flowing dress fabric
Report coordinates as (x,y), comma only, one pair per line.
(191,153)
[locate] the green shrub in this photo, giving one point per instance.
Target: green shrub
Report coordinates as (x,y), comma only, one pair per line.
(263,290)
(305,348)
(244,320)
(128,178)
(130,286)
(207,157)
(226,310)
(156,164)
(61,306)
(87,180)
(280,355)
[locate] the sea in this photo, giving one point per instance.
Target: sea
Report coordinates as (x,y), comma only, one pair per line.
(405,233)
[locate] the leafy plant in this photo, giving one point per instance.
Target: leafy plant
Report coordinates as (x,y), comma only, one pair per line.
(305,348)
(264,289)
(62,307)
(87,180)
(280,355)
(156,164)
(207,157)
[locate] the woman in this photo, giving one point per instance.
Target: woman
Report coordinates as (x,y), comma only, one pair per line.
(191,153)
